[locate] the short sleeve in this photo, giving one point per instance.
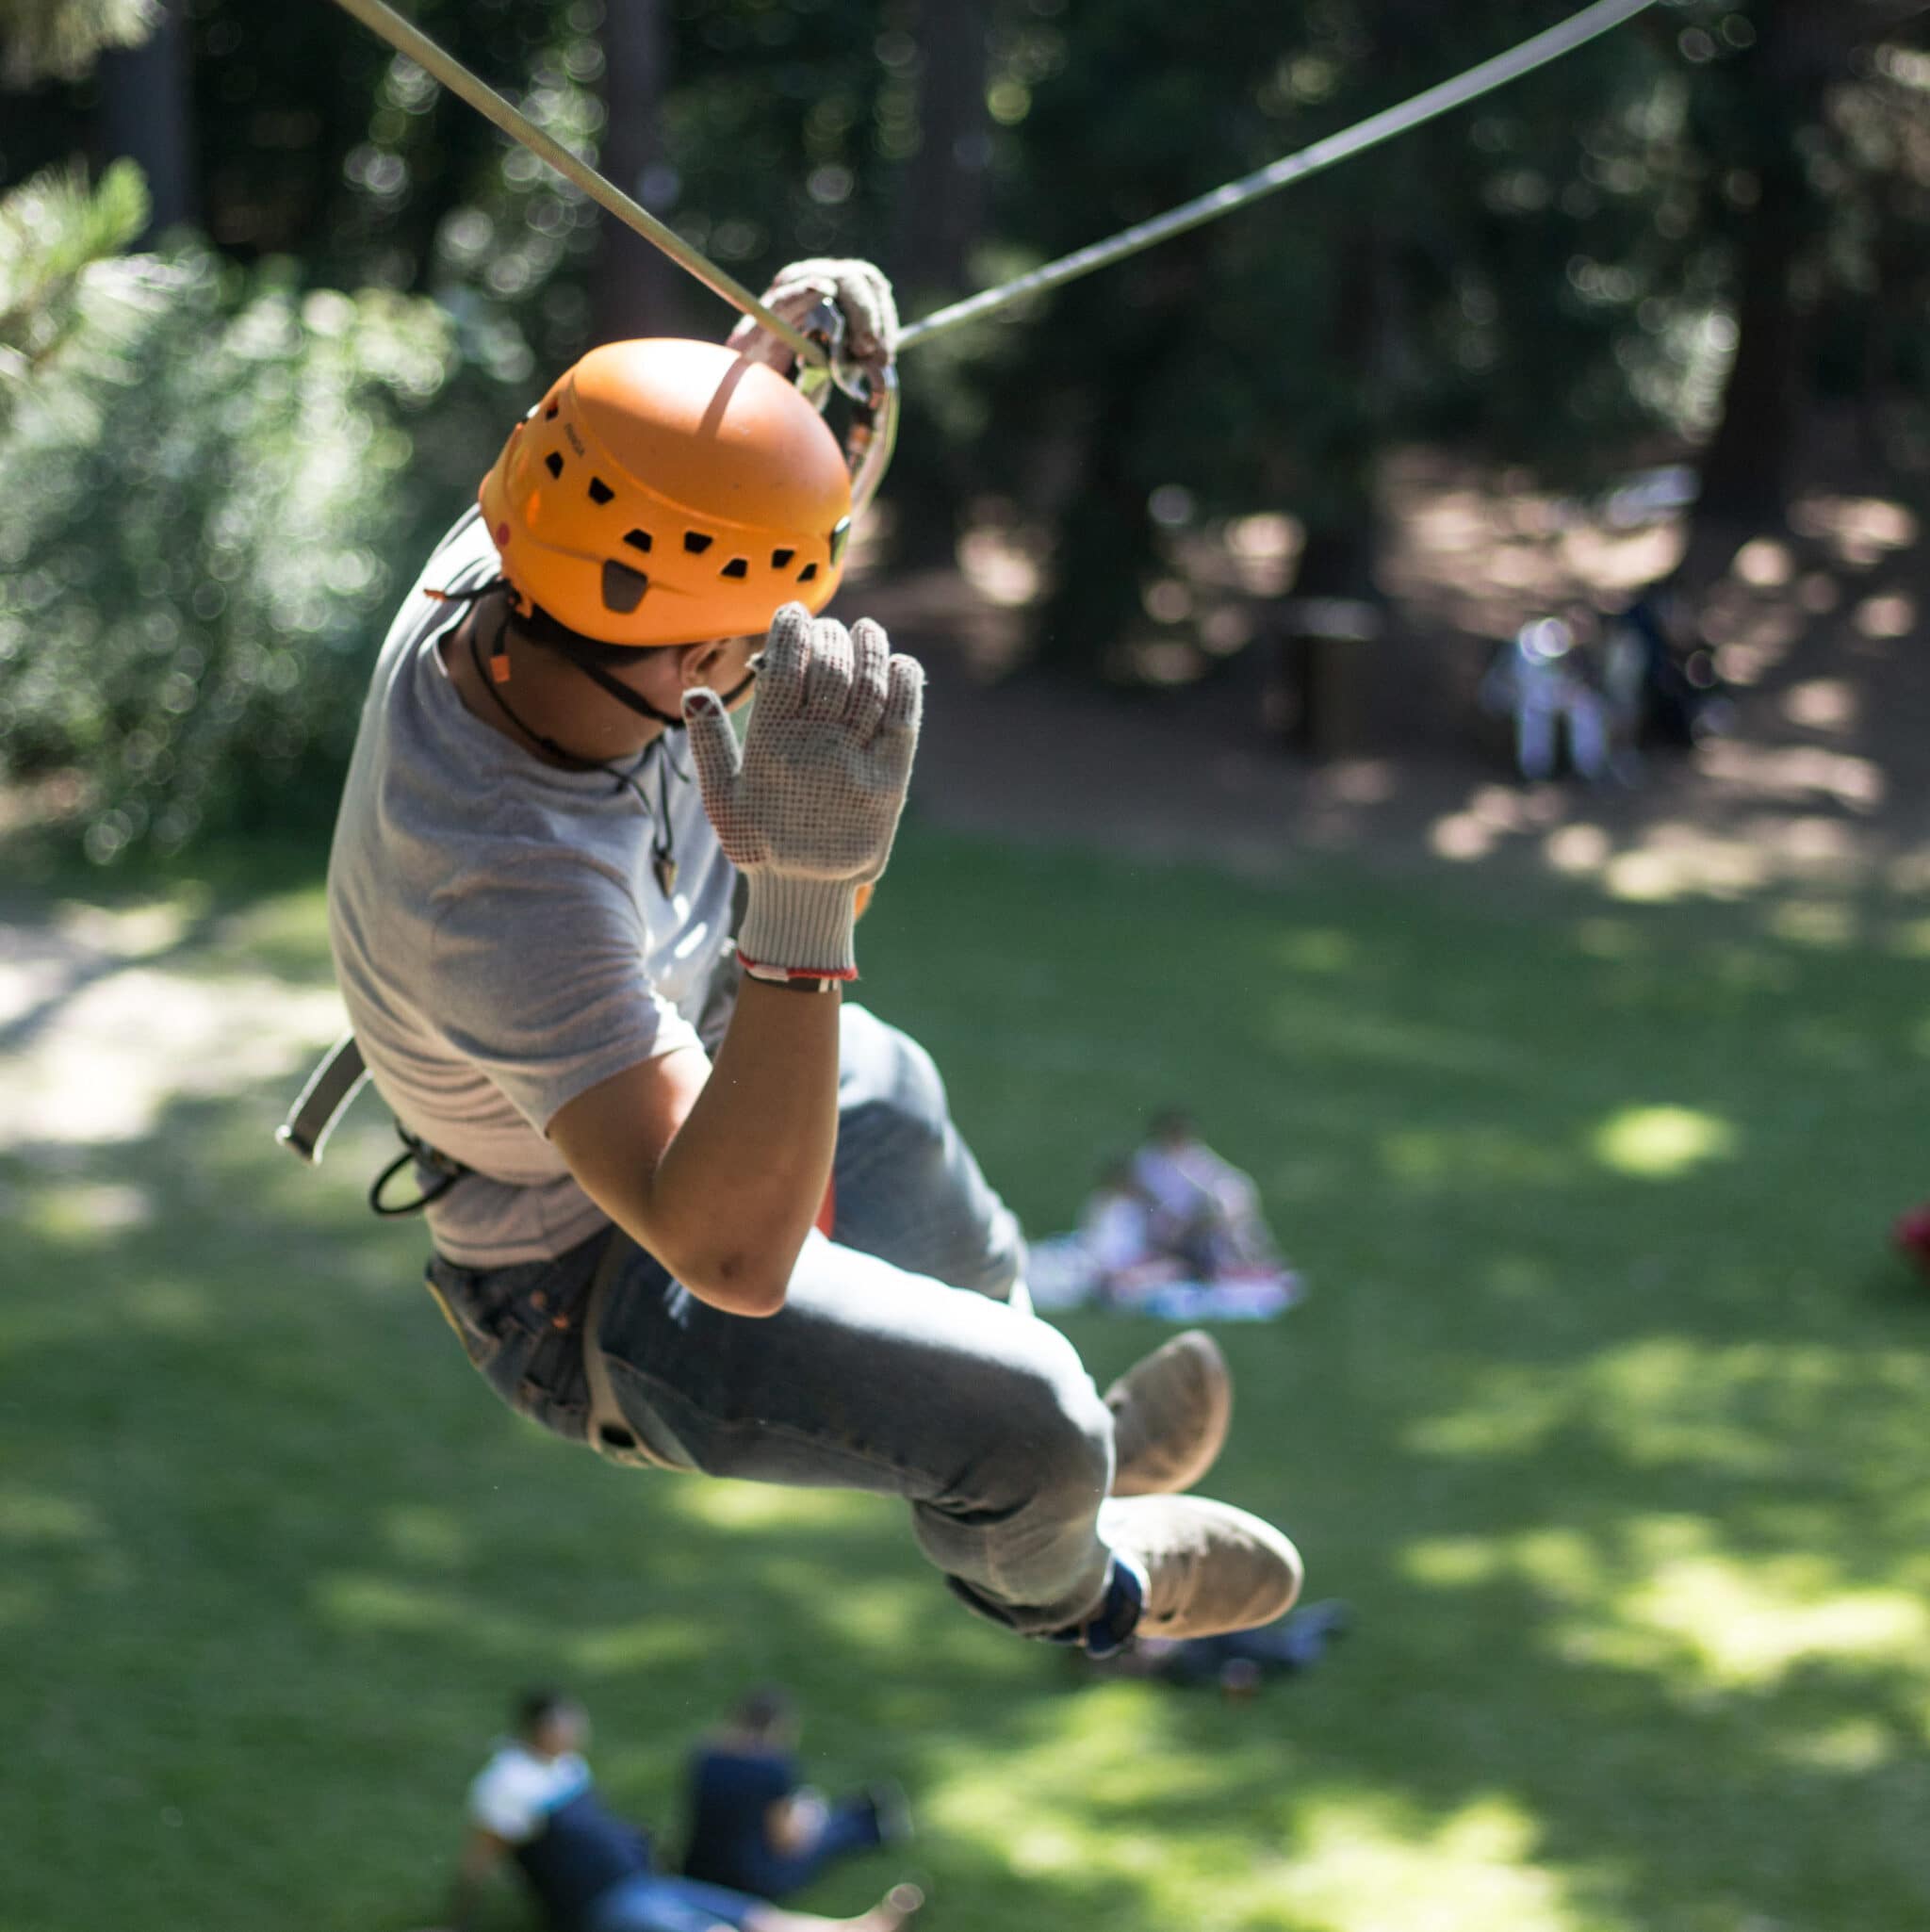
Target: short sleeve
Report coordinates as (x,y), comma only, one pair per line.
(506,1800)
(538,977)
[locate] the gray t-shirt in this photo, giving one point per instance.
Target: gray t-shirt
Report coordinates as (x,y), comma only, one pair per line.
(501,937)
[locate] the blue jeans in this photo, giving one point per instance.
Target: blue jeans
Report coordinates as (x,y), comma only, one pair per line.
(895,1364)
(648,1903)
(752,1866)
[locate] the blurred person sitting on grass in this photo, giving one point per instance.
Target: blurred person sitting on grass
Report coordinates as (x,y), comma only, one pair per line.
(1117,1229)
(760,1251)
(755,1826)
(590,1870)
(1203,1210)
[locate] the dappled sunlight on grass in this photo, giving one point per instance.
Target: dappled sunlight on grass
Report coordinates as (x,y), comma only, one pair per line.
(1473,1871)
(1826,924)
(29,1515)
(428,1535)
(646,1645)
(101,1211)
(1848,1747)
(1316,949)
(755,1507)
(1910,939)
(1436,1159)
(1662,1143)
(1336,1027)
(1622,1477)
(1662,1401)
(1750,1621)
(118,1049)
(170,1307)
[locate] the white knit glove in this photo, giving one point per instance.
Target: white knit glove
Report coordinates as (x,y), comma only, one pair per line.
(809,809)
(862,294)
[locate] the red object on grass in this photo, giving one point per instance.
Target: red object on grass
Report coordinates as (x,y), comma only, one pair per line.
(1913,1235)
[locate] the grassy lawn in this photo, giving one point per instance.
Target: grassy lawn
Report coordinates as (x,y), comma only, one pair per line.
(1607,1414)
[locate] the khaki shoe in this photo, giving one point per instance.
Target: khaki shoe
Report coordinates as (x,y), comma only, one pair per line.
(1208,1566)
(1169,1416)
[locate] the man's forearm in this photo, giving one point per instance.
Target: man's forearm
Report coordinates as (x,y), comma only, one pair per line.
(737,1187)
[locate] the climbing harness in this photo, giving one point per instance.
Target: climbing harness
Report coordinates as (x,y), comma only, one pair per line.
(824,367)
(330,1091)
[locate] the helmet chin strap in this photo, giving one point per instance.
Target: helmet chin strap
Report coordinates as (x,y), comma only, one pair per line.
(544,629)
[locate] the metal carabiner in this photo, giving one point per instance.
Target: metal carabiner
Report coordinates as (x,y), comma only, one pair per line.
(871,433)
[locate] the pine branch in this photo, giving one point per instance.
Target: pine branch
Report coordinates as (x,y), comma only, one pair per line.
(60,39)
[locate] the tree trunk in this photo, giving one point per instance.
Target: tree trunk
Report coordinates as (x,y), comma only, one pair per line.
(146,114)
(1781,83)
(1747,465)
(1323,638)
(636,289)
(942,211)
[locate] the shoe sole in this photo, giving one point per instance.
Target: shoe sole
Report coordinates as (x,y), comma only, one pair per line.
(1201,1353)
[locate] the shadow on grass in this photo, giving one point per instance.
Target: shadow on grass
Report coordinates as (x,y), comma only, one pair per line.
(1594,1422)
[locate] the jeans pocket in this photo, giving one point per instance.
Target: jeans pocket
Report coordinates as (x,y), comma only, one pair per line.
(521,1328)
(479,1345)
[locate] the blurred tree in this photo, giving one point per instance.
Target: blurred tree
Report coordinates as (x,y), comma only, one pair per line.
(212,485)
(67,302)
(637,290)
(1478,282)
(43,40)
(942,207)
(208,523)
(1790,165)
(145,115)
(1673,237)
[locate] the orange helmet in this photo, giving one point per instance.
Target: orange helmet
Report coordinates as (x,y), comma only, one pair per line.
(669,492)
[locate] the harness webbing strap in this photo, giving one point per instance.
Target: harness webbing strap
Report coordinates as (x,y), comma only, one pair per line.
(336,1080)
(609,1432)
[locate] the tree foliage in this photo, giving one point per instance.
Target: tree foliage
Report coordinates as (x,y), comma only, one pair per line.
(43,40)
(1670,240)
(62,286)
(191,579)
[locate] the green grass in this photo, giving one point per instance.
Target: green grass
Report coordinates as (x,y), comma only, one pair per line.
(1607,1413)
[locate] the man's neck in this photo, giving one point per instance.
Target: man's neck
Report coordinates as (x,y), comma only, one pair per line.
(546,698)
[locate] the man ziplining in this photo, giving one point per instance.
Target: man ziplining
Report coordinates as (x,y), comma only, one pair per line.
(530,898)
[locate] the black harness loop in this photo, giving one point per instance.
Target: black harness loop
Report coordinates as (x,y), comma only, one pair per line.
(447,1169)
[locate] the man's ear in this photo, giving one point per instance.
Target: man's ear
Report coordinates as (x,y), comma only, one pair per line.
(697,664)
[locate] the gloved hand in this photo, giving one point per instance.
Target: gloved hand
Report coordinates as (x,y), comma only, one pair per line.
(809,809)
(860,291)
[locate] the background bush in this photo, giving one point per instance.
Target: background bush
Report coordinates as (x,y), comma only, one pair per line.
(214,497)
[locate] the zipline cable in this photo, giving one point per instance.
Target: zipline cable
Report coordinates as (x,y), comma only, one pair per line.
(384,22)
(1572,33)
(1592,22)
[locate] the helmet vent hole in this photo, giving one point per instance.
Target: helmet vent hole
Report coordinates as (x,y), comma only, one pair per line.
(780,560)
(623,588)
(638,540)
(553,464)
(738,567)
(600,491)
(695,542)
(550,413)
(806,575)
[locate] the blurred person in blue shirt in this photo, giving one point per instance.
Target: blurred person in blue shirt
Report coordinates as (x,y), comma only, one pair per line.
(535,1803)
(756,1826)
